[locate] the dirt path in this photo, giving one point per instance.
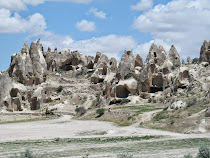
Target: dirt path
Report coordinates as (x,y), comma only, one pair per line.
(65,127)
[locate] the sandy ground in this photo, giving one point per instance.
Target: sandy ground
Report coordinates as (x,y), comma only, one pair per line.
(66,127)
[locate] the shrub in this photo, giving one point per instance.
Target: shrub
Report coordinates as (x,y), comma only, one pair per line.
(188,156)
(149,100)
(130,75)
(100,112)
(59,89)
(195,61)
(80,110)
(124,156)
(165,109)
(203,152)
(124,101)
(191,102)
(154,101)
(26,154)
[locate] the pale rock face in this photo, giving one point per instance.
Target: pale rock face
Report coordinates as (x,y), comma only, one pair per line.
(174,57)
(126,87)
(156,55)
(205,52)
(178,104)
(138,61)
(127,64)
(189,60)
(29,67)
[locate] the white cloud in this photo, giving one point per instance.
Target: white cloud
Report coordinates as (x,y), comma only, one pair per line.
(13,4)
(112,45)
(183,23)
(34,24)
(85,26)
(142,5)
(17,5)
(74,1)
(96,13)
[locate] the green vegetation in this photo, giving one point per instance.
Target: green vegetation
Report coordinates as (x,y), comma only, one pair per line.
(26,154)
(132,75)
(124,101)
(203,152)
(80,110)
(139,109)
(100,112)
(59,89)
(195,61)
(123,155)
(78,147)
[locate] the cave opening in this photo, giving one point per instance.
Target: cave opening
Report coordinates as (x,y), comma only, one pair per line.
(155,89)
(155,54)
(14,92)
(122,92)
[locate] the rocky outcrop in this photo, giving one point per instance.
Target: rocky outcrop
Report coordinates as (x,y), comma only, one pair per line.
(127,64)
(29,67)
(205,52)
(174,57)
(126,87)
(138,61)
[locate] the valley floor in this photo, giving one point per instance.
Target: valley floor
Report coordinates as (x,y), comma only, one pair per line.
(66,137)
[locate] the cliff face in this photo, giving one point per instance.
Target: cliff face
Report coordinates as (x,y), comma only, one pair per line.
(34,76)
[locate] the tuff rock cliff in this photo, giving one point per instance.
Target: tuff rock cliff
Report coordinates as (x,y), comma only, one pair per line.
(35,75)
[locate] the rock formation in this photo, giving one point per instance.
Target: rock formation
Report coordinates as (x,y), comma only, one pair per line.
(34,76)
(205,52)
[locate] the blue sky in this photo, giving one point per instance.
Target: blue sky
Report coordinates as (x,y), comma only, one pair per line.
(109,26)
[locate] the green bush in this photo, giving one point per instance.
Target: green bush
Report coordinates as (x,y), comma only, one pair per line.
(80,110)
(100,112)
(154,101)
(124,156)
(188,156)
(195,61)
(26,154)
(132,75)
(59,89)
(149,100)
(203,152)
(124,101)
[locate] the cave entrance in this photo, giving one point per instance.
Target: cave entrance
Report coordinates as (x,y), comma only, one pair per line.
(155,89)
(35,105)
(155,54)
(122,92)
(14,92)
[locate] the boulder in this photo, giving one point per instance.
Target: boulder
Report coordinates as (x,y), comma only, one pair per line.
(178,105)
(126,87)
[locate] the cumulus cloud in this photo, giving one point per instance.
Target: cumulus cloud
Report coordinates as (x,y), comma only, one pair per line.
(183,23)
(34,24)
(142,5)
(85,26)
(96,13)
(112,45)
(17,5)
